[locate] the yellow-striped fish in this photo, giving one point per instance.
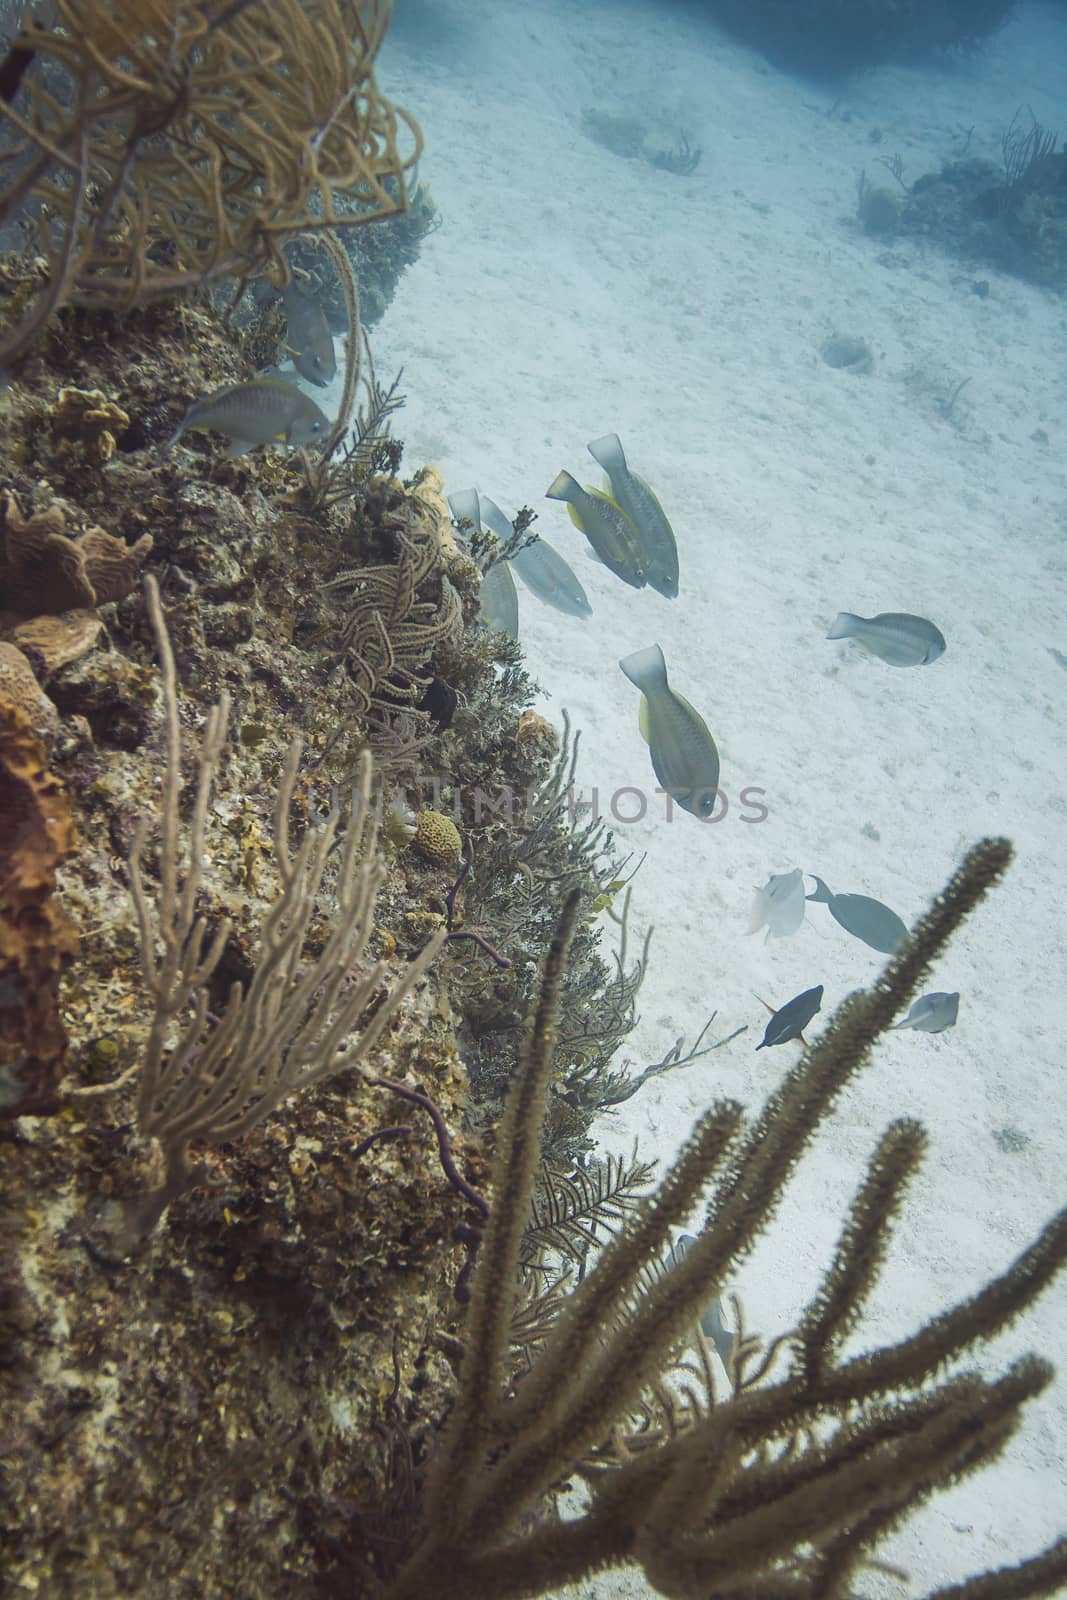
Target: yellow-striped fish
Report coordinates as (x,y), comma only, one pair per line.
(606,526)
(684,757)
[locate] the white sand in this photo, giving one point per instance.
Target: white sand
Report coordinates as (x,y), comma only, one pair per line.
(569,292)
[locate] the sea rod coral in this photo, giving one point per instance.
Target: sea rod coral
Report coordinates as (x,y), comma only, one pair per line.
(169,143)
(298,1020)
(785,1487)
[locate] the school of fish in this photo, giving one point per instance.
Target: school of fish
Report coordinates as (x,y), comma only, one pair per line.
(629,533)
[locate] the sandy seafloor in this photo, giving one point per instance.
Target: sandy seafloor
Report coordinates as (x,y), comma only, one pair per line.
(569,292)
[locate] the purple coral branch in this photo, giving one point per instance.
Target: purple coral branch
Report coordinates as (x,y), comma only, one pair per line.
(403,1130)
(483,944)
(463,1232)
(444,1140)
(450,897)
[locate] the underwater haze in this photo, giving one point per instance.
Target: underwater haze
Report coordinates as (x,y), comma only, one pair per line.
(837,414)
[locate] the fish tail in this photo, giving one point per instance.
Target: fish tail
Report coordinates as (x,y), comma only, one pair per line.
(608,453)
(822,894)
(844,625)
(563,487)
(646,668)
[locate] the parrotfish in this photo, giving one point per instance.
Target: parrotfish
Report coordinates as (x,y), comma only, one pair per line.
(493,518)
(933,1013)
(894,636)
(308,336)
(470,505)
(465,507)
(684,757)
(863,917)
(544,572)
(779,905)
(500,601)
(644,511)
(265,411)
(791,1019)
(712,1325)
(605,524)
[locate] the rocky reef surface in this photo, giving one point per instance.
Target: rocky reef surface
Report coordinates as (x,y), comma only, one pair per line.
(240,1404)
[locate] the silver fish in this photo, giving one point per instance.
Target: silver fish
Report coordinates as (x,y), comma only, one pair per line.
(863,917)
(790,1020)
(645,512)
(494,519)
(712,1323)
(895,637)
(544,572)
(265,411)
(684,757)
(779,905)
(933,1013)
(465,507)
(607,527)
(308,336)
(500,601)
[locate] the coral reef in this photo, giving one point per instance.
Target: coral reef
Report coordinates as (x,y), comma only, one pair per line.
(380,256)
(1014,217)
(826,38)
(271,113)
(288,1320)
(253,1078)
(981,214)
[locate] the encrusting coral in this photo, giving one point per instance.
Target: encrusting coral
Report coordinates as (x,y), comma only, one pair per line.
(37,938)
(90,418)
(19,688)
(43,571)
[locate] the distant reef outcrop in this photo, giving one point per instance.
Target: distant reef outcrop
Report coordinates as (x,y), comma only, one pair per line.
(828,38)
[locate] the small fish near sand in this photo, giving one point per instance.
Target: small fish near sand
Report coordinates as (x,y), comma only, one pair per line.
(308,337)
(895,637)
(644,511)
(779,905)
(712,1323)
(932,1013)
(605,524)
(863,917)
(265,411)
(790,1020)
(684,756)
